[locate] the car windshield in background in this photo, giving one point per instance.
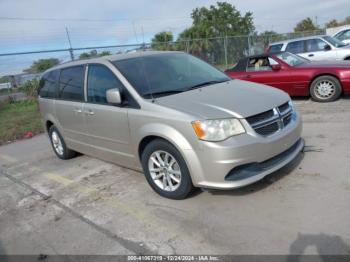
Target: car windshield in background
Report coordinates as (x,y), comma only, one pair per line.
(168,73)
(333,41)
(291,59)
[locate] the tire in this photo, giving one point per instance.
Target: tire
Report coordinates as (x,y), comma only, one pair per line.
(325,89)
(158,174)
(59,146)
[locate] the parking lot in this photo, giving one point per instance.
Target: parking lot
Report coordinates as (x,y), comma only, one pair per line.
(87,206)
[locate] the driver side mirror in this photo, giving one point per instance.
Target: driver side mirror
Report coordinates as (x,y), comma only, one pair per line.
(327,47)
(113,96)
(276,67)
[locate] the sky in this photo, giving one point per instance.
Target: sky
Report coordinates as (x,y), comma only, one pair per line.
(27,25)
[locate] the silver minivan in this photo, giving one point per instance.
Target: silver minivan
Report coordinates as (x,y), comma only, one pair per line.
(180,120)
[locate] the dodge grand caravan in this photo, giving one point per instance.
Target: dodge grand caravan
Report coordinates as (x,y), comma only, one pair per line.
(180,120)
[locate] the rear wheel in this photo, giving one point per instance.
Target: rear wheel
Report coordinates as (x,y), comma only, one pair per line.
(166,170)
(325,89)
(58,144)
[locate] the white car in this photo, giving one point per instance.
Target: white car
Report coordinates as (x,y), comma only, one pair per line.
(343,35)
(314,48)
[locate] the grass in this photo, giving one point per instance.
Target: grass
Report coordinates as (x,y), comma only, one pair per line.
(5,91)
(18,118)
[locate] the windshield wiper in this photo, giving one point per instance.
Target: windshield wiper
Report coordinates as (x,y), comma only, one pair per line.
(206,83)
(161,93)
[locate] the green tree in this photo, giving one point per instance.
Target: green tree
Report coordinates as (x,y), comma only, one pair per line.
(332,23)
(346,21)
(267,37)
(306,25)
(41,65)
(335,23)
(105,53)
(4,79)
(161,40)
(219,20)
(30,88)
(84,56)
(93,53)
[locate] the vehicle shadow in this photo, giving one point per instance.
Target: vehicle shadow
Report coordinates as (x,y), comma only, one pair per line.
(306,98)
(264,183)
(325,245)
(3,256)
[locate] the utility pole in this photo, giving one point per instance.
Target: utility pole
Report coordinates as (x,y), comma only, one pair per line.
(143,39)
(316,21)
(133,26)
(70,45)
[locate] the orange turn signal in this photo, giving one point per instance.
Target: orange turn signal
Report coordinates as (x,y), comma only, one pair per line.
(198,129)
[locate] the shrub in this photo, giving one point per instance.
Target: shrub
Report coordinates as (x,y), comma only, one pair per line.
(30,88)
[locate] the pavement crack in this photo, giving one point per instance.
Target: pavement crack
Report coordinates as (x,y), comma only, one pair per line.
(134,247)
(308,149)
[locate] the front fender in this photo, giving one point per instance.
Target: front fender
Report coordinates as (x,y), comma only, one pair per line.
(177,139)
(166,132)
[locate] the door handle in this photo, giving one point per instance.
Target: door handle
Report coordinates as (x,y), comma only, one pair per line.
(311,55)
(90,112)
(77,110)
(248,76)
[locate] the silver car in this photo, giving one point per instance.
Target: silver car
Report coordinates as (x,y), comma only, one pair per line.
(180,120)
(343,35)
(314,48)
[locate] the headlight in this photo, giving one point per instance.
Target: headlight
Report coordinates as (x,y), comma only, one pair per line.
(292,106)
(217,130)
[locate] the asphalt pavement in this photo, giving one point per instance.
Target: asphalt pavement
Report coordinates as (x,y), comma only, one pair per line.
(87,206)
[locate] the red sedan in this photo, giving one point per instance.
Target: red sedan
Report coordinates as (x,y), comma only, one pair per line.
(324,81)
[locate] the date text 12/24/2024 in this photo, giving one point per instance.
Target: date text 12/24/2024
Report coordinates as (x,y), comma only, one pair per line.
(173,258)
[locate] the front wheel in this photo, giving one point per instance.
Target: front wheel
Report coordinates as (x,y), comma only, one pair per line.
(325,89)
(59,146)
(166,170)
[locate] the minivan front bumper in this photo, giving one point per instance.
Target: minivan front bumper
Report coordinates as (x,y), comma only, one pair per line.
(244,159)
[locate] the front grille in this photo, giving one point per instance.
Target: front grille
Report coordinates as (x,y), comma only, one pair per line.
(260,117)
(287,119)
(268,129)
(283,108)
(269,122)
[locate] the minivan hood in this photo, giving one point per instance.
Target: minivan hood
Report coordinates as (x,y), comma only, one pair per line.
(235,98)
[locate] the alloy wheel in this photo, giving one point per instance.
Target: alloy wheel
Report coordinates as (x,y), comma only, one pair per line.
(164,170)
(324,89)
(57,143)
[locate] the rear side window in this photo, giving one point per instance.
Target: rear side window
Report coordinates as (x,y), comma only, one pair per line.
(258,64)
(48,85)
(101,79)
(295,47)
(72,83)
(343,35)
(316,44)
(275,48)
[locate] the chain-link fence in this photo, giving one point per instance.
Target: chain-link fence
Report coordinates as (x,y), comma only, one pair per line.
(222,52)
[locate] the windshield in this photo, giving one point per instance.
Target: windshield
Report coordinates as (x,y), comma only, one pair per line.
(291,59)
(168,73)
(333,41)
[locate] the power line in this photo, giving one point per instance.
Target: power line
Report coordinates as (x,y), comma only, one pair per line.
(88,19)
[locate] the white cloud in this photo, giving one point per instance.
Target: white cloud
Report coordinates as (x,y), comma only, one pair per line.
(146,17)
